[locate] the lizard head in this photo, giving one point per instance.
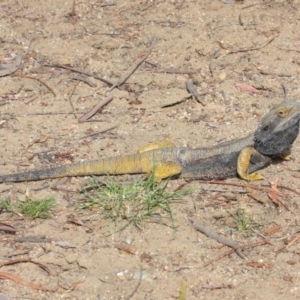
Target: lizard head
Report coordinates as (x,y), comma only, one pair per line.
(278,129)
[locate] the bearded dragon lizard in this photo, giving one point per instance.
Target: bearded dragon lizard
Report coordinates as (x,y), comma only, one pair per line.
(274,136)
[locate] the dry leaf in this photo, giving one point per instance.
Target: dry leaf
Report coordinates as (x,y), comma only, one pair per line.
(124,247)
(11,65)
(245,87)
(65,244)
(7,228)
(259,265)
(272,229)
(43,139)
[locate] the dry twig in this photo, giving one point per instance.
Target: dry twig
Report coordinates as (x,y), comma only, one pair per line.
(221,239)
(39,80)
(84,79)
(263,242)
(254,48)
(137,286)
(191,89)
(80,72)
(70,99)
(95,109)
(99,132)
(132,69)
(178,71)
(17,279)
(263,188)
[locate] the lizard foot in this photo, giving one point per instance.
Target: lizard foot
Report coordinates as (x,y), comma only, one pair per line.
(253,177)
(243,164)
(285,156)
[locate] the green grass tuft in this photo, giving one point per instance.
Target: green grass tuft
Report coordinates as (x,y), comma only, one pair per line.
(244,222)
(30,208)
(132,204)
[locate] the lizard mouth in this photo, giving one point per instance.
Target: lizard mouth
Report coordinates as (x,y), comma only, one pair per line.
(277,142)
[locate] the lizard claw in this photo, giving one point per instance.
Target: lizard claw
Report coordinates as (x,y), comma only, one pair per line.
(253,177)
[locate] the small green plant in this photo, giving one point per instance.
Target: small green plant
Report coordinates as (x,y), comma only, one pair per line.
(7,205)
(36,208)
(243,222)
(133,203)
(30,208)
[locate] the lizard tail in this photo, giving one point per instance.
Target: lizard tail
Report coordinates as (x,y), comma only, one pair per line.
(131,164)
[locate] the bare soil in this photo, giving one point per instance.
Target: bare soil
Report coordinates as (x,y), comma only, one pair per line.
(254,43)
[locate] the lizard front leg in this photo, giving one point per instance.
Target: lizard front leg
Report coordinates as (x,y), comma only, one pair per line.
(244,162)
(166,169)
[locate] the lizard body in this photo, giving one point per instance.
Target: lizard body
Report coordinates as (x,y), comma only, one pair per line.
(274,136)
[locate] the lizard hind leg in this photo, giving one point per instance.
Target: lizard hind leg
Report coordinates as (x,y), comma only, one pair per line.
(243,164)
(156,145)
(166,169)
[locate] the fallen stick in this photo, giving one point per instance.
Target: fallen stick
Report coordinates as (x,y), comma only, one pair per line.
(258,243)
(95,109)
(191,89)
(37,79)
(254,48)
(83,79)
(80,72)
(101,131)
(221,239)
(177,71)
(131,70)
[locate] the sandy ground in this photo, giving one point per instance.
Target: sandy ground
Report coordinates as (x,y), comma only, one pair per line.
(225,43)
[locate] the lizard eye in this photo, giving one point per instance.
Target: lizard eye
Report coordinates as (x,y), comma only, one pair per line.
(281,113)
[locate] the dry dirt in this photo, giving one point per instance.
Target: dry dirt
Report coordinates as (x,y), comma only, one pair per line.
(255,43)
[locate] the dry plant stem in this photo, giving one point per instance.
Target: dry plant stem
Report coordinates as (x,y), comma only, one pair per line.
(232,250)
(70,99)
(17,279)
(13,66)
(137,286)
(288,189)
(83,79)
(47,114)
(18,253)
(178,71)
(254,48)
(284,91)
(263,188)
(32,239)
(275,74)
(80,72)
(221,239)
(21,260)
(132,69)
(104,5)
(191,89)
(39,80)
(99,132)
(256,4)
(31,41)
(95,109)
